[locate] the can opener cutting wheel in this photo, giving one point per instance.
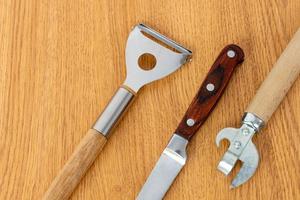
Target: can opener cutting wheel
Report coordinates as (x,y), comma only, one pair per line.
(265,102)
(169,56)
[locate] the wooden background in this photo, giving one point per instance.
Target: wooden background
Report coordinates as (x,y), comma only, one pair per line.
(61,61)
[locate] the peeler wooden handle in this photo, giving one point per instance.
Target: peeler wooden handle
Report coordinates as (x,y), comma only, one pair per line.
(89,147)
(278,82)
(210,91)
(73,171)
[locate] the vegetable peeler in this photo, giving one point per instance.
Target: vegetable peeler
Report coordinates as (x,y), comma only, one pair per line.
(169,57)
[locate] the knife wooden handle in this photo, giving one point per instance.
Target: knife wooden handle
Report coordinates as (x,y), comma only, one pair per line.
(210,91)
(75,168)
(278,82)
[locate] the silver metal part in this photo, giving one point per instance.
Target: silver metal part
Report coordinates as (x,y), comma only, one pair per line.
(241,148)
(190,122)
(253,121)
(167,60)
(113,111)
(231,54)
(210,87)
(166,169)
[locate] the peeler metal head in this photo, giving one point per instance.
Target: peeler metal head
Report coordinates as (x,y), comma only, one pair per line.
(168,54)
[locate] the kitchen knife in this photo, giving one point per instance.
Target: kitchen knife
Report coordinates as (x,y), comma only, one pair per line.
(174,156)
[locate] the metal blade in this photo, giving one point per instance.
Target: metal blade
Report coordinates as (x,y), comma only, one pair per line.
(167,60)
(160,179)
(241,148)
(250,159)
(165,171)
(227,163)
(226,133)
(229,159)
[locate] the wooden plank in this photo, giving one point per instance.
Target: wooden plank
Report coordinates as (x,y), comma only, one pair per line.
(61,61)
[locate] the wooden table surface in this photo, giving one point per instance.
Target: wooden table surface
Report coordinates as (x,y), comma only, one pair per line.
(61,61)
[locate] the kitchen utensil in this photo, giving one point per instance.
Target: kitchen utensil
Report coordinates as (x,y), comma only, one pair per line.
(174,156)
(267,99)
(142,40)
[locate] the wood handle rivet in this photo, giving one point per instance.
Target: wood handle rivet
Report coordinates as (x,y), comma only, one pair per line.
(210,87)
(190,122)
(231,54)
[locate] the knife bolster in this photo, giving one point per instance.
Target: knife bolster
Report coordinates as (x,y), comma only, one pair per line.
(177,148)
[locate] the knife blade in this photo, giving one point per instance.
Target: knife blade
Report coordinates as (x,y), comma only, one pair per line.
(174,155)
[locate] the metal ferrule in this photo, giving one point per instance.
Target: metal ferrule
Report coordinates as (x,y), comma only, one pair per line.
(253,121)
(176,148)
(113,111)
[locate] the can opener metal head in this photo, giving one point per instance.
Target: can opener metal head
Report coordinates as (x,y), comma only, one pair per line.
(241,148)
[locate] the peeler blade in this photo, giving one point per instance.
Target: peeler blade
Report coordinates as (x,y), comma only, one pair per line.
(168,60)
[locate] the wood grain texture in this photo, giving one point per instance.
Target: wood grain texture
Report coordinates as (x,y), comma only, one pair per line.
(61,61)
(278,82)
(205,100)
(78,164)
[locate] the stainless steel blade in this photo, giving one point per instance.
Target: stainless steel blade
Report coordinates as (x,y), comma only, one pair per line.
(166,169)
(169,57)
(167,60)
